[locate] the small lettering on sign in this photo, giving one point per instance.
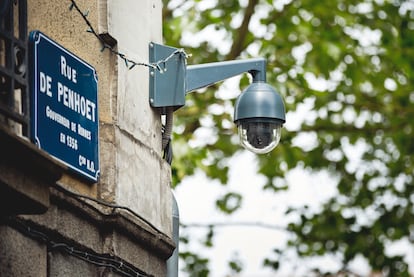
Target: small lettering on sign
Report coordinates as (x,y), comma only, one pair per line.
(45,84)
(66,70)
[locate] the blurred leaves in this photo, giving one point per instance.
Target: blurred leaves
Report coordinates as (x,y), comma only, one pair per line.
(352,63)
(195,265)
(235,264)
(229,203)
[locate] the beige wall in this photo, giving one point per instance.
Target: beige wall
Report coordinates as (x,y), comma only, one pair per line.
(133,173)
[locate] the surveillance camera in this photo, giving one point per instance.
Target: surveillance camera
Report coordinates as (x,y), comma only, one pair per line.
(259,111)
(259,114)
(259,135)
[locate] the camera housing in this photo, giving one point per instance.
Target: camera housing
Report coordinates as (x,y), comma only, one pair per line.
(259,115)
(259,111)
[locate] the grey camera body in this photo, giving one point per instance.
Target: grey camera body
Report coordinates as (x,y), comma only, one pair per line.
(259,111)
(259,114)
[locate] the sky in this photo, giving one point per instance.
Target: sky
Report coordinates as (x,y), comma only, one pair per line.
(250,244)
(196,195)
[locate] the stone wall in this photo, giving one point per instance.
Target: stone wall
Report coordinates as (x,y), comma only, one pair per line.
(122,224)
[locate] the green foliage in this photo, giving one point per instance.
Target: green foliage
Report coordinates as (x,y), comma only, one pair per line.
(195,265)
(353,61)
(229,203)
(209,237)
(235,265)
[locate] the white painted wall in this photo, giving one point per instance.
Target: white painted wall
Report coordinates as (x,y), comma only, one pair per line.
(142,177)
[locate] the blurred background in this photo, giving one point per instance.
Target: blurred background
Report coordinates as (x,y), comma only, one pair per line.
(335,198)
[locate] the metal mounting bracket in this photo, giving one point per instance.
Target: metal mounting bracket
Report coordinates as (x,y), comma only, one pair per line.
(167,81)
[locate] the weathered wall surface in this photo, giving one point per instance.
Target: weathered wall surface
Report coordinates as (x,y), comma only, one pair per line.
(133,173)
(127,214)
(144,179)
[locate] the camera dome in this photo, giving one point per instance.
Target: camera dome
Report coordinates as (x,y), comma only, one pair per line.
(260,135)
(259,114)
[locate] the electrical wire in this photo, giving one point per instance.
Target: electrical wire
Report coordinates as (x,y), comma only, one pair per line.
(128,62)
(160,66)
(102,260)
(104,203)
(166,135)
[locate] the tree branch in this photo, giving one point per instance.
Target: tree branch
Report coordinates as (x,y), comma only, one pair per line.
(235,224)
(241,33)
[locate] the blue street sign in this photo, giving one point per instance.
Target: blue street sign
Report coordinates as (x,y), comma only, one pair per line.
(64,105)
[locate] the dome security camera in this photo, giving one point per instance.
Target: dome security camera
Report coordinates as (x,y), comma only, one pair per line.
(259,111)
(259,115)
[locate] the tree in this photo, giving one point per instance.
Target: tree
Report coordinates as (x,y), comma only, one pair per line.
(352,62)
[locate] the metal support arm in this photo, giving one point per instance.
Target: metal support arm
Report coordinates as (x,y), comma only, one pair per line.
(259,111)
(203,75)
(169,86)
